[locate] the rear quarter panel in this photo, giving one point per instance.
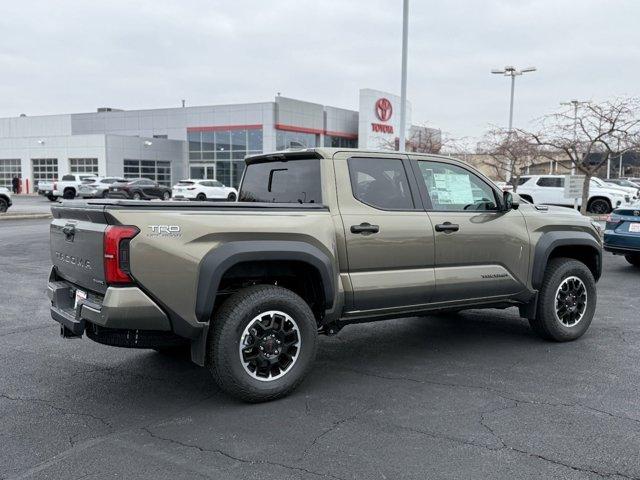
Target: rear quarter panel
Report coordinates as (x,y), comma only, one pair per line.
(167,264)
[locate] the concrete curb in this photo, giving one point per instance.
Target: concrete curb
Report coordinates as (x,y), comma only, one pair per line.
(23,216)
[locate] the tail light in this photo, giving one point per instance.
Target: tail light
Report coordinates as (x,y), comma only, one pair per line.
(116,254)
(613,218)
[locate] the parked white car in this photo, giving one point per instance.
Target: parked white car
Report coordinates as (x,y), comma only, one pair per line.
(97,187)
(549,190)
(626,185)
(5,199)
(68,187)
(198,189)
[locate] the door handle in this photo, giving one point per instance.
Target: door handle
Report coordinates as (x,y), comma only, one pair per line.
(365,228)
(447,227)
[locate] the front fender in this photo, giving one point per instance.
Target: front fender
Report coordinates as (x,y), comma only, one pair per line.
(551,240)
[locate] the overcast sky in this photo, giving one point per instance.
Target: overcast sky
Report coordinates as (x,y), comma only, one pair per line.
(63,56)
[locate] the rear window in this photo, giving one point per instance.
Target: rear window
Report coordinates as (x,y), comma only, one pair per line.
(551,182)
(184,182)
(68,178)
(291,181)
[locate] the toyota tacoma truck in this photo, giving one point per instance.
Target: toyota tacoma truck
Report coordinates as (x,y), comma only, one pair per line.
(318,239)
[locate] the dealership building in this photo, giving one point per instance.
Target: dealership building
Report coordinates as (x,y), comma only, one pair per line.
(169,144)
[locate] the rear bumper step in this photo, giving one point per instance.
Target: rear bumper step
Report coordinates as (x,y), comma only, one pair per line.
(124,316)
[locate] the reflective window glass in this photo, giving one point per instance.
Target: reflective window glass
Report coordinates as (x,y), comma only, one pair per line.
(381,183)
(451,187)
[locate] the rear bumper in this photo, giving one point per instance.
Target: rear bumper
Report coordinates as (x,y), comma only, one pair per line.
(621,250)
(184,196)
(112,194)
(126,308)
(621,243)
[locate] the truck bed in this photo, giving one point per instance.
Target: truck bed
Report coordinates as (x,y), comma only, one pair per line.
(94,210)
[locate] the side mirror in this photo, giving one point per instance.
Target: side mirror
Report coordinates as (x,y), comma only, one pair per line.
(511,201)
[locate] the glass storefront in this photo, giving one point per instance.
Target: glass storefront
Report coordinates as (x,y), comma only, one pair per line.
(286,139)
(219,154)
(9,168)
(44,169)
(340,142)
(83,165)
(156,170)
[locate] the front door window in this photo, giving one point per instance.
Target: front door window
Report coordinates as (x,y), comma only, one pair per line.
(452,188)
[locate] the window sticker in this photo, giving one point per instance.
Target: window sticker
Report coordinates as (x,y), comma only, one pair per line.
(452,188)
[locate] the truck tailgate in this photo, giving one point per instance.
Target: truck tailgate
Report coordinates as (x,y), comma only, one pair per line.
(77,252)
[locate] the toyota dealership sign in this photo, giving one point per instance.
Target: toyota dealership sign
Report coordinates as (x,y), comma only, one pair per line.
(379,119)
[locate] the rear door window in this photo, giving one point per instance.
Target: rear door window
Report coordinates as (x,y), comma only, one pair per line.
(290,181)
(68,178)
(381,183)
(557,182)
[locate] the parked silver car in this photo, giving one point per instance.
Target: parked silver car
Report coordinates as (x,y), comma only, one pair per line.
(99,187)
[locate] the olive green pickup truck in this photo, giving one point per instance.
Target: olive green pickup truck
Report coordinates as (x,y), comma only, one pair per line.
(318,239)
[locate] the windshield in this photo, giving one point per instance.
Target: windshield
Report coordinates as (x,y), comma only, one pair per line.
(286,181)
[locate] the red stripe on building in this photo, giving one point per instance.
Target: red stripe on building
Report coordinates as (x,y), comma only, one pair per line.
(291,128)
(218,128)
(351,136)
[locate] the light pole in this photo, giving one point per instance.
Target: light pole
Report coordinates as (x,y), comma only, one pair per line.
(575,104)
(403,84)
(513,72)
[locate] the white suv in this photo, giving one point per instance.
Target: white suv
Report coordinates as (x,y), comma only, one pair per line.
(5,199)
(549,190)
(198,189)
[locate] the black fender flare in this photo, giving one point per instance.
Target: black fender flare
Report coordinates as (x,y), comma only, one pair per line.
(218,260)
(551,240)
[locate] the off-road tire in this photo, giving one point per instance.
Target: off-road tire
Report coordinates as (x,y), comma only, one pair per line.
(223,359)
(69,194)
(545,324)
(633,259)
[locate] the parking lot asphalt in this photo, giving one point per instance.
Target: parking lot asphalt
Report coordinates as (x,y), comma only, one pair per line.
(30,204)
(473,395)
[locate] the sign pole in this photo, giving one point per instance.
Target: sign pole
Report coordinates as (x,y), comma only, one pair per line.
(403,86)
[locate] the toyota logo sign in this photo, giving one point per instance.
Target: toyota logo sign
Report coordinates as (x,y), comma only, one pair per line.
(384,109)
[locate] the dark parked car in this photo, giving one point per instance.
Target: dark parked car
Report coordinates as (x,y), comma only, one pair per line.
(139,189)
(622,234)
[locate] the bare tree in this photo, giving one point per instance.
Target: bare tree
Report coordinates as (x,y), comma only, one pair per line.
(421,138)
(424,139)
(507,153)
(590,135)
